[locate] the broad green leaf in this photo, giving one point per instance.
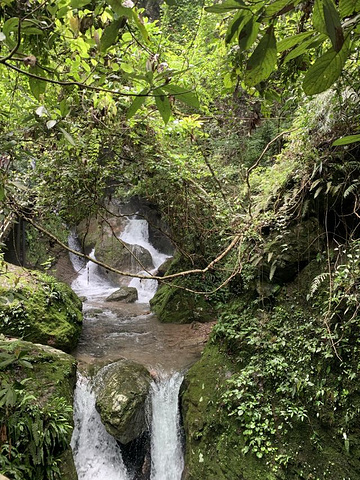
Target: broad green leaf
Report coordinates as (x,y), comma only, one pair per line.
(347,7)
(79,3)
(236,25)
(163,104)
(110,34)
(249,33)
(68,137)
(347,140)
(2,192)
(137,103)
(140,25)
(183,95)
(318,17)
(116,5)
(37,86)
(226,6)
(279,7)
(263,60)
(326,70)
(305,45)
(126,67)
(290,42)
(333,25)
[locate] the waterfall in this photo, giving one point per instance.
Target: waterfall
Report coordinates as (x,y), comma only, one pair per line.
(97,455)
(137,233)
(167,461)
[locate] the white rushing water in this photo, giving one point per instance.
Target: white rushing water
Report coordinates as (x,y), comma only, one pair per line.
(167,460)
(97,455)
(135,233)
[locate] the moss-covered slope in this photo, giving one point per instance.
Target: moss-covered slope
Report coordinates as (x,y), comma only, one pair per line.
(36,398)
(37,308)
(275,396)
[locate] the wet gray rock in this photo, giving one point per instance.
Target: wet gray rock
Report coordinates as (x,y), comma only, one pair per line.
(124,294)
(121,391)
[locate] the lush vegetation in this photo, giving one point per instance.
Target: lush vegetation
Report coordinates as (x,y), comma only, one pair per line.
(210,114)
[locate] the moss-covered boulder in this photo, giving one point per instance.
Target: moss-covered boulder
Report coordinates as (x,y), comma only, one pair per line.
(173,305)
(36,418)
(38,308)
(124,257)
(121,390)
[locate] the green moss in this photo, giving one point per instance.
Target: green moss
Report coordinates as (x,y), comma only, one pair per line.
(38,308)
(213,441)
(49,375)
(173,305)
(271,385)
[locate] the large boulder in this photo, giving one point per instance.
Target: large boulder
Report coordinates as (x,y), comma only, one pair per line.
(122,256)
(123,294)
(38,308)
(121,390)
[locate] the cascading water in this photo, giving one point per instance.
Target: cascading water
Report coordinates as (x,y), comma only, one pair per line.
(167,461)
(136,233)
(97,455)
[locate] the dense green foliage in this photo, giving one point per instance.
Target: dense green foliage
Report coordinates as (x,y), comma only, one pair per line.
(35,410)
(205,117)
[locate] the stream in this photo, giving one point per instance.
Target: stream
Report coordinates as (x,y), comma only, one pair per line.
(114,330)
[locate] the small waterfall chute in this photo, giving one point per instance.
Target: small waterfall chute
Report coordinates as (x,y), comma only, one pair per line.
(136,232)
(96,454)
(167,461)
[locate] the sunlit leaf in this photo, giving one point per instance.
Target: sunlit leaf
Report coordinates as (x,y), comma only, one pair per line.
(263,60)
(226,6)
(79,3)
(326,70)
(347,7)
(290,42)
(347,140)
(318,17)
(304,46)
(68,137)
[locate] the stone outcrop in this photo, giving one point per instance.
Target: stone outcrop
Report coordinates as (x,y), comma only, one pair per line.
(123,294)
(37,307)
(121,391)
